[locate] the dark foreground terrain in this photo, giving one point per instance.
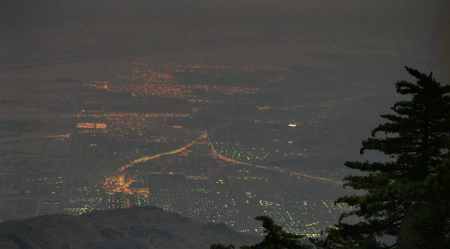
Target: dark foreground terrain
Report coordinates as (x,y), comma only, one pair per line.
(136,227)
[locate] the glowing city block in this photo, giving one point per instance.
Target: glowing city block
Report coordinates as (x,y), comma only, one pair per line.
(91,125)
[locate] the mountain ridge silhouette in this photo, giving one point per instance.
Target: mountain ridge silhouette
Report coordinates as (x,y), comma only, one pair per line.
(135,227)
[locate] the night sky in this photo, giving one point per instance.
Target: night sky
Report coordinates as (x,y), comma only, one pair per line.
(356,39)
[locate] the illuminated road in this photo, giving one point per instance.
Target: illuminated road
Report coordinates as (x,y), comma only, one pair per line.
(120,183)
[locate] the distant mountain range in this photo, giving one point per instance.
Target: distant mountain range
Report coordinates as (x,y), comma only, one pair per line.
(132,228)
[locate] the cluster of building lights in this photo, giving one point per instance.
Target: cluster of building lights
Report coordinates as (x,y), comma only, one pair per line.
(149,79)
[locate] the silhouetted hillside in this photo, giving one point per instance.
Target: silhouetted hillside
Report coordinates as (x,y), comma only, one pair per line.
(136,227)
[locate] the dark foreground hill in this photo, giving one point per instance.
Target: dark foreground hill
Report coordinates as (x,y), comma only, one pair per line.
(136,227)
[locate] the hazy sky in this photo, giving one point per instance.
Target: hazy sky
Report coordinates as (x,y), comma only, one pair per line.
(363,38)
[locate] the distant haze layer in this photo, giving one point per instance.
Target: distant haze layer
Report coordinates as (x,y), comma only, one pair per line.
(353,37)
